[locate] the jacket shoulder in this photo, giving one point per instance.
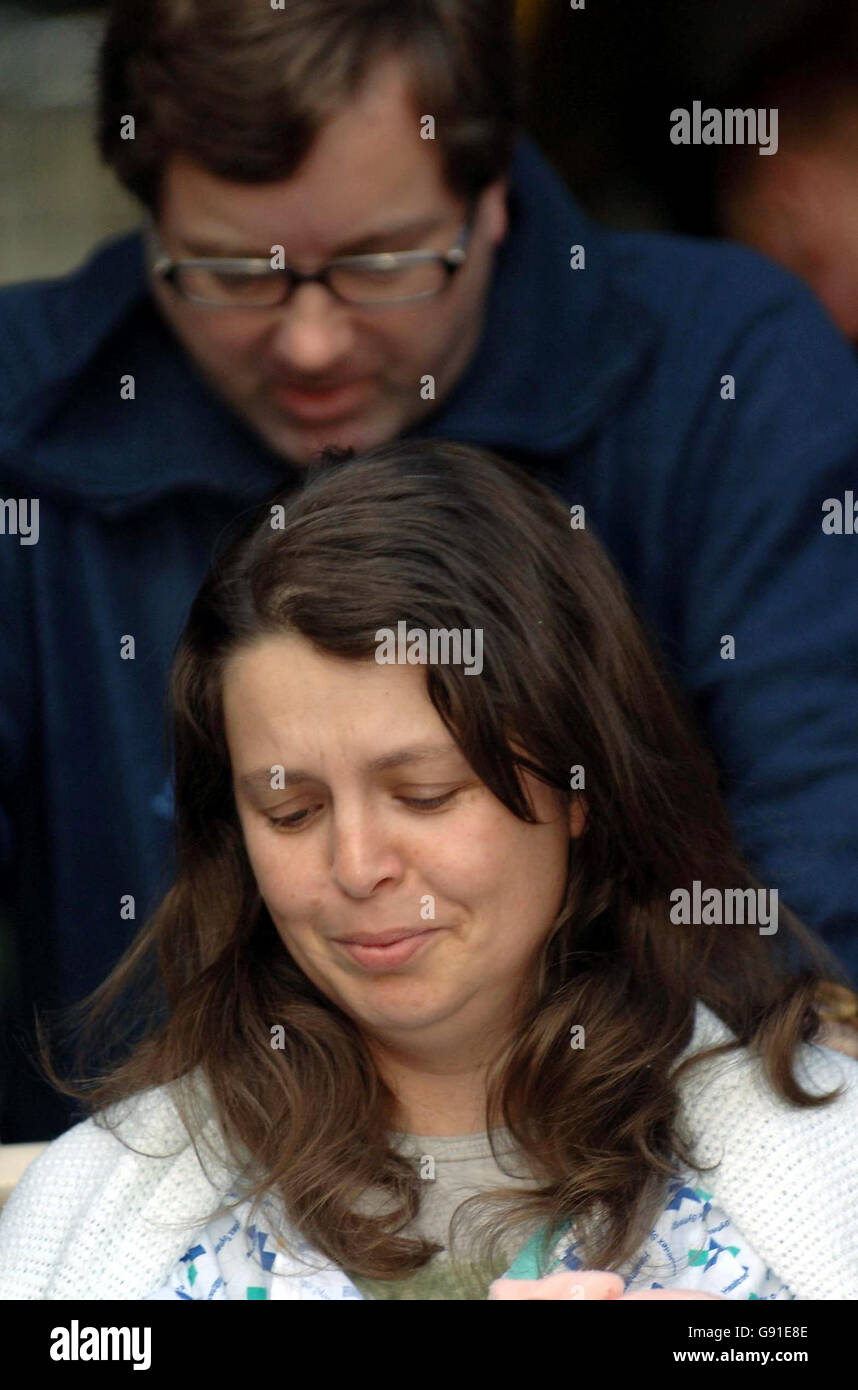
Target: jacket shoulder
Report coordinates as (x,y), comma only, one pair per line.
(47,1202)
(786,1175)
(713,275)
(65,1205)
(50,329)
(717,300)
(721,1089)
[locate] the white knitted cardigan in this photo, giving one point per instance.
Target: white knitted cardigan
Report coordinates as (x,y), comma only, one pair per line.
(90,1218)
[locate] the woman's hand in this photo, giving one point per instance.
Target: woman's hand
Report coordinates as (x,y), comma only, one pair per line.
(593,1285)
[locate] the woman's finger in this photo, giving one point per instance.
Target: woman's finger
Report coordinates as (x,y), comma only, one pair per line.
(583,1285)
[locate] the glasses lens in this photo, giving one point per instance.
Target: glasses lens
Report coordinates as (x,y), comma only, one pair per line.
(364,286)
(230,287)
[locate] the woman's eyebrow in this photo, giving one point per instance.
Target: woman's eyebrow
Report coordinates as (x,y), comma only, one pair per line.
(260,780)
(416,753)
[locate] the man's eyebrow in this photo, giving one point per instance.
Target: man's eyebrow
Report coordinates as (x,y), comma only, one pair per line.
(261,779)
(416,228)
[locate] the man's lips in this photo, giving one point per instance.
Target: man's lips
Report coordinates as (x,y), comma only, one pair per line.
(326,403)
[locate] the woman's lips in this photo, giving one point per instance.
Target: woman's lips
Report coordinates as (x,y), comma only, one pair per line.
(329,404)
(377,959)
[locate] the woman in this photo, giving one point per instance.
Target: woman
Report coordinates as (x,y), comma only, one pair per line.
(424,945)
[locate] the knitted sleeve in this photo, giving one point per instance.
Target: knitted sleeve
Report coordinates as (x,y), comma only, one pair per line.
(96,1217)
(40,1219)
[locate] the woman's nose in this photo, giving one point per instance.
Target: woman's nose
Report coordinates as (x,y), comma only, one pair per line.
(363,856)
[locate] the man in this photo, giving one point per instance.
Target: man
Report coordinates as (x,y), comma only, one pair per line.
(802,208)
(693,400)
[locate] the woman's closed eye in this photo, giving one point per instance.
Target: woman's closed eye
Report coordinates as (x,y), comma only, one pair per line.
(429,802)
(298,819)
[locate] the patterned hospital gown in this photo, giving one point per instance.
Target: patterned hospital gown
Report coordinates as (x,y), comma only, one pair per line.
(693,1245)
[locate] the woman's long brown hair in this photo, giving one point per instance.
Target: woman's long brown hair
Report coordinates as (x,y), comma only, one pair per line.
(446,536)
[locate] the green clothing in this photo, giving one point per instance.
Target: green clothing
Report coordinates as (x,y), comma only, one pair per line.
(454,1167)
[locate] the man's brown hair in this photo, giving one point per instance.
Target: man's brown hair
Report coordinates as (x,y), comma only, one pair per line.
(243,89)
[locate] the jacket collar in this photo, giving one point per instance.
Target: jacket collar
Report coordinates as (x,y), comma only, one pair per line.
(558,348)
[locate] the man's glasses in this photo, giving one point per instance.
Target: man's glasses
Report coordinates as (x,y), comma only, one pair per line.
(251,282)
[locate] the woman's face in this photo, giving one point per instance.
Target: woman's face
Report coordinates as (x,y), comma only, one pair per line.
(362,818)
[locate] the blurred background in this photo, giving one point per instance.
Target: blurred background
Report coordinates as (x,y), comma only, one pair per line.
(56,201)
(604,81)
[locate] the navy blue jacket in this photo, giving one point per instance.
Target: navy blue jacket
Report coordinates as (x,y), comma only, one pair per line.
(605,381)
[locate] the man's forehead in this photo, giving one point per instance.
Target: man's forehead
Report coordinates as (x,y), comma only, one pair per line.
(214,215)
(368,174)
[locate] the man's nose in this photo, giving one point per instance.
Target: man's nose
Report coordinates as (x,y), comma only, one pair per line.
(313,331)
(363,855)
